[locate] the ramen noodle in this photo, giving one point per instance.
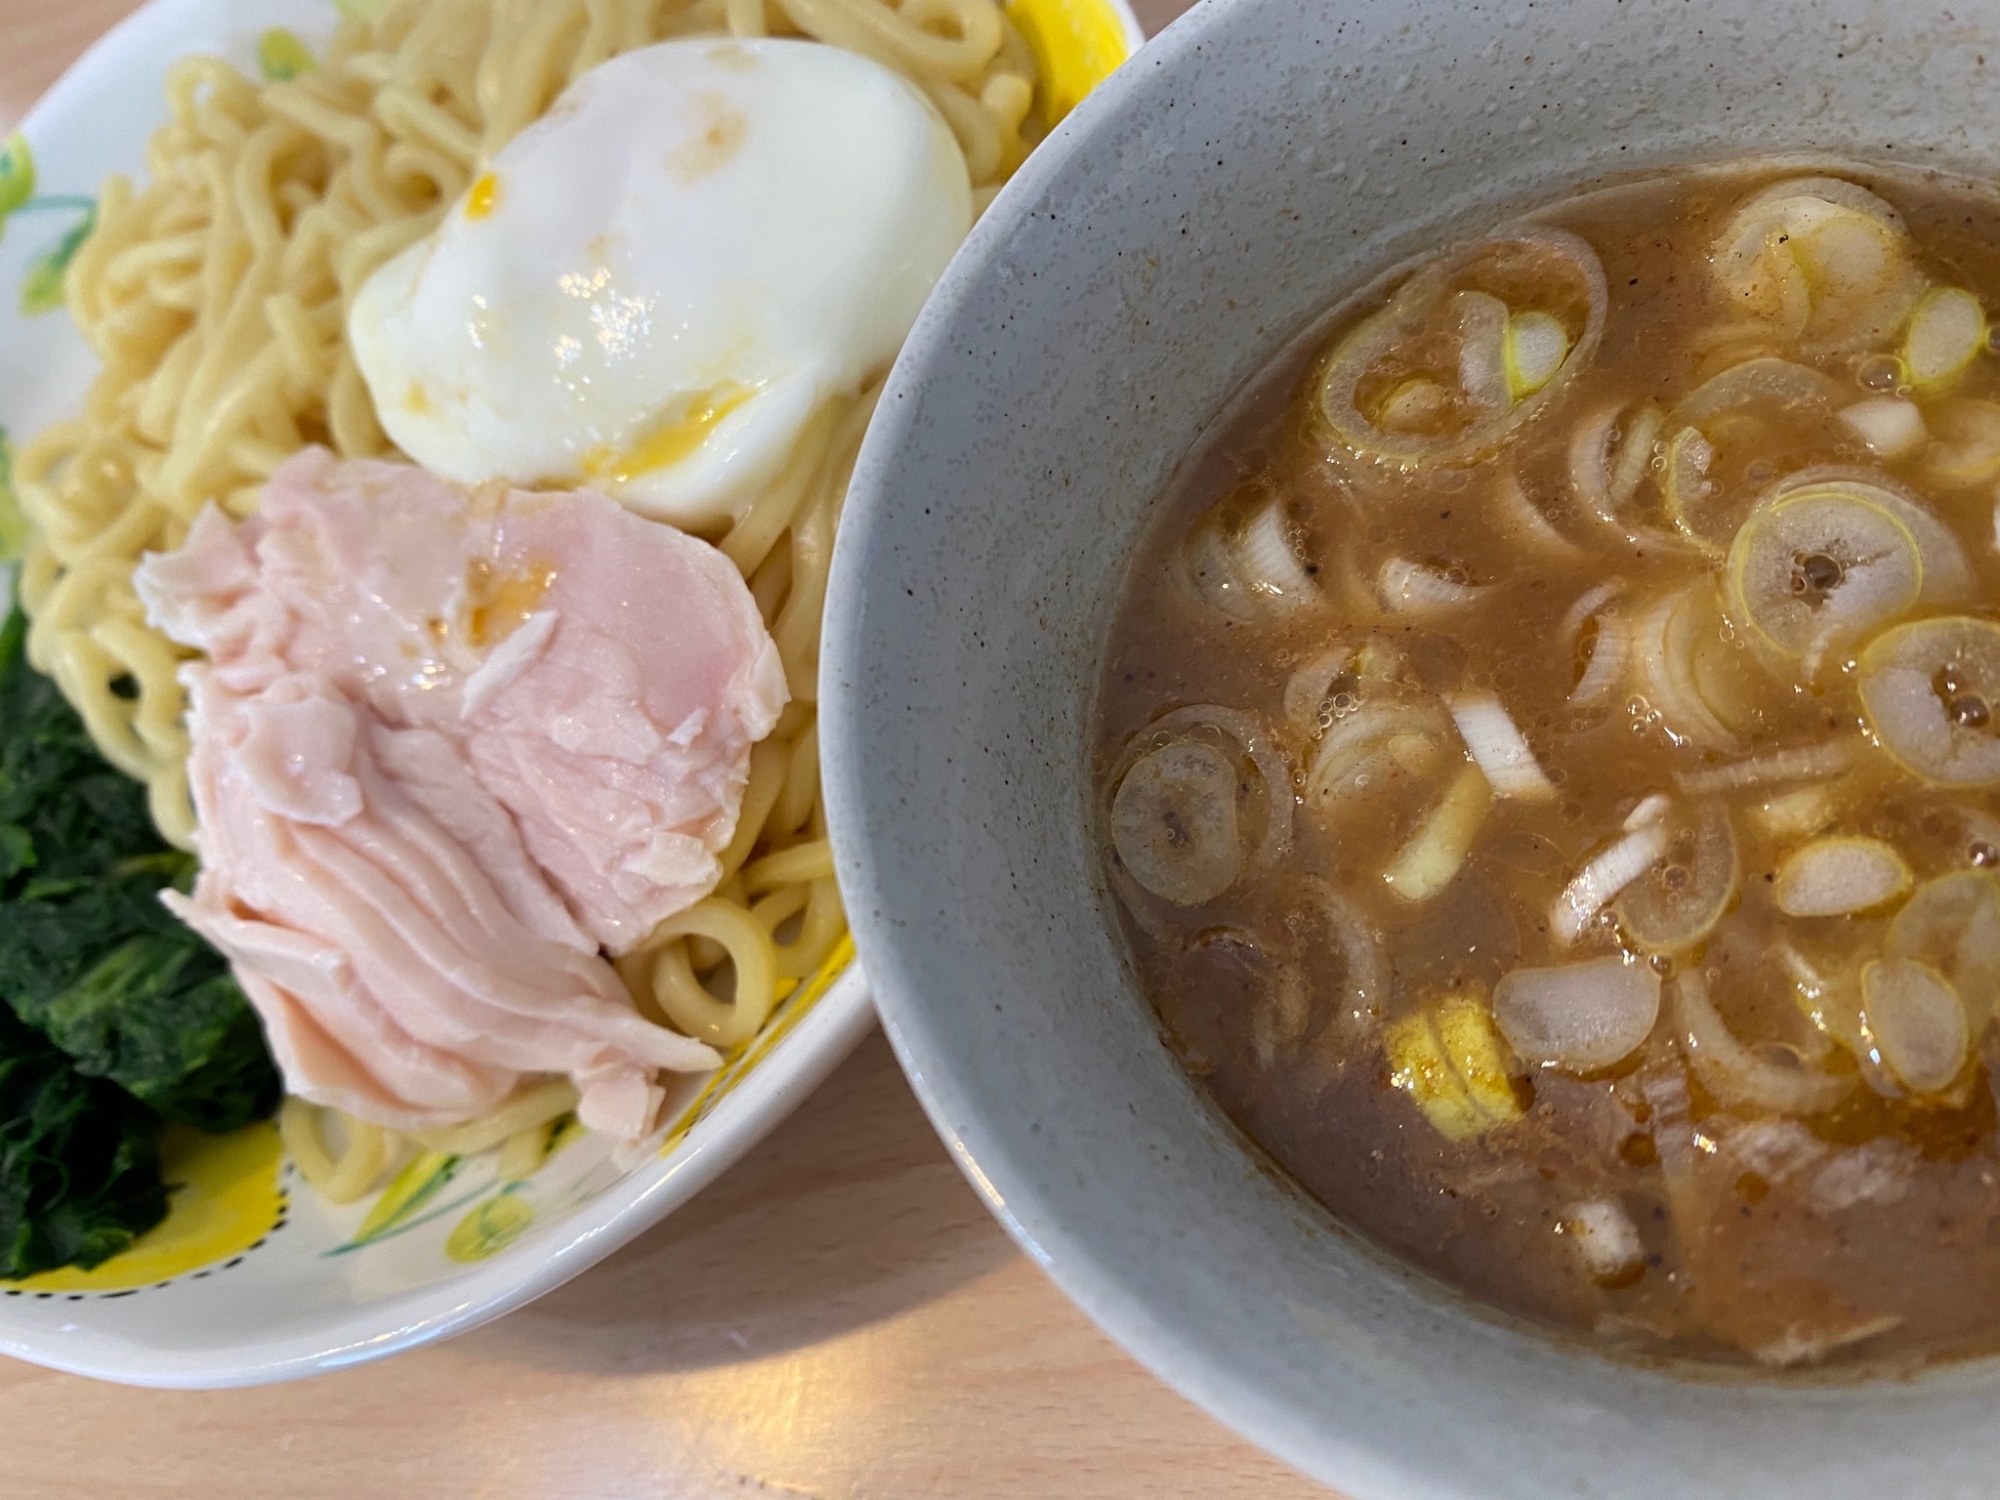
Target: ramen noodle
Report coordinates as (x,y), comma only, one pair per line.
(217,296)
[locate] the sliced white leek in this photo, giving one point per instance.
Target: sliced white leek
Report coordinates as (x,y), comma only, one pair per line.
(1605,655)
(1722,426)
(1381,404)
(1607,873)
(1580,1017)
(1825,262)
(1674,903)
(1890,426)
(1407,587)
(1965,445)
(1341,681)
(1268,558)
(1931,690)
(1732,1072)
(1648,809)
(1174,823)
(1828,556)
(1499,749)
(1947,332)
(1953,924)
(1376,747)
(1537,345)
(1416,406)
(1799,813)
(1528,521)
(1916,1022)
(1242,557)
(1763,380)
(1483,354)
(1669,641)
(1688,490)
(1609,457)
(1840,877)
(1771,768)
(1436,852)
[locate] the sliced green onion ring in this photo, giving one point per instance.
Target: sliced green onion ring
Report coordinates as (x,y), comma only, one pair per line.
(1840,877)
(1676,903)
(1827,556)
(1826,262)
(1174,823)
(1609,457)
(1415,385)
(1537,344)
(1931,691)
(1732,1072)
(1953,924)
(1917,1023)
(1673,640)
(1947,333)
(1702,479)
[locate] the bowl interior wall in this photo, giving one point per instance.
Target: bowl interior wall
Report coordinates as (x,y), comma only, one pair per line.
(1262,158)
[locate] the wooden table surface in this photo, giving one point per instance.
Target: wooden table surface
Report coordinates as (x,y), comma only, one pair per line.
(838,1317)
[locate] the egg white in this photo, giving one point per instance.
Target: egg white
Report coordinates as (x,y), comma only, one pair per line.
(652,290)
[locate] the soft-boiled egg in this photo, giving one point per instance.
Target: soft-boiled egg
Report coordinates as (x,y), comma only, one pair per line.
(652,290)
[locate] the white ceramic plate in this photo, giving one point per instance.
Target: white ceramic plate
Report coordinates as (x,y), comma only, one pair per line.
(253,1277)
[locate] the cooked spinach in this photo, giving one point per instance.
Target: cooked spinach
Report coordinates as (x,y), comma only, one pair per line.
(79,1160)
(116,1013)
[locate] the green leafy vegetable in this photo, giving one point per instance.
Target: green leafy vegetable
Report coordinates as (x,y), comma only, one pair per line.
(79,1160)
(116,1013)
(89,957)
(159,1017)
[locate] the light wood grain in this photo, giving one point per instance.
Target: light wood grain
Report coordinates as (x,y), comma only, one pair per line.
(838,1317)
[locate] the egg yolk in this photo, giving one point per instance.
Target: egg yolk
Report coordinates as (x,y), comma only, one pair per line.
(483,198)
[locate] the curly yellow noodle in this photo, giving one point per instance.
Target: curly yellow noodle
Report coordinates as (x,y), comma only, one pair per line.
(343,1174)
(216,298)
(532,1104)
(661,965)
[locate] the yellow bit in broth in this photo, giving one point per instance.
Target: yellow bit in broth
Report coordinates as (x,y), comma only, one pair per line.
(1548,757)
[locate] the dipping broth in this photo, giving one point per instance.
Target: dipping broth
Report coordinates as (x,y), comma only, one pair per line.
(1547,760)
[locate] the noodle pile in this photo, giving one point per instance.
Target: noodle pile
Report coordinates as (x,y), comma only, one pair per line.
(216,298)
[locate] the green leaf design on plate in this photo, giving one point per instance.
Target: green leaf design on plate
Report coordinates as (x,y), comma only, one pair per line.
(410,1189)
(282,55)
(13,525)
(493,1226)
(361,10)
(523,1159)
(42,290)
(17,174)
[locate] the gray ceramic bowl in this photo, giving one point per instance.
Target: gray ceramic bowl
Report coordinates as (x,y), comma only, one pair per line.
(1259,158)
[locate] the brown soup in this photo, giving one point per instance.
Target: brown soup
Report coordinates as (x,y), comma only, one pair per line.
(1548,758)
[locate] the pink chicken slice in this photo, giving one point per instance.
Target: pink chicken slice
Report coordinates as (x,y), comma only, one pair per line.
(447,747)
